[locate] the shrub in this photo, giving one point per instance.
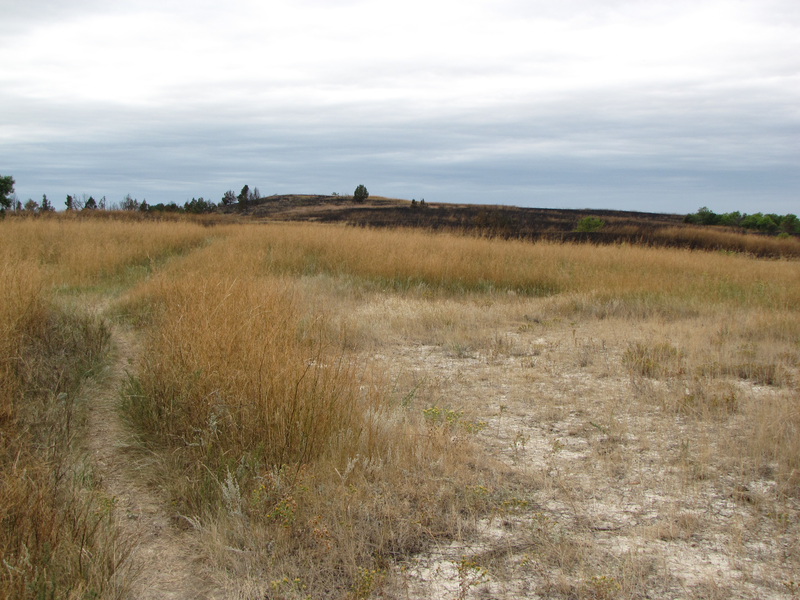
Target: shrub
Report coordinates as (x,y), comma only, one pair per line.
(590,224)
(360,194)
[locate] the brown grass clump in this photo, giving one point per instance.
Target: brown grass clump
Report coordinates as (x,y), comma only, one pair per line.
(82,252)
(444,263)
(277,443)
(56,535)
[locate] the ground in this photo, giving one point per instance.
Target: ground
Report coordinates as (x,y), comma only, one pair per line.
(623,497)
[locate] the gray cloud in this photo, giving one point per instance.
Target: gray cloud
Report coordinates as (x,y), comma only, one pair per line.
(530,127)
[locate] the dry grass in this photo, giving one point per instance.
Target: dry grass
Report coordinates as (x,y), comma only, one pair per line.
(346,413)
(275,440)
(56,535)
(445,263)
(729,240)
(78,252)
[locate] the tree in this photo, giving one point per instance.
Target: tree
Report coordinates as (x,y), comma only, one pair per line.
(360,194)
(199,206)
(6,189)
(32,206)
(790,223)
(102,203)
(143,207)
(90,204)
(228,198)
(129,203)
(46,206)
(70,203)
(244,196)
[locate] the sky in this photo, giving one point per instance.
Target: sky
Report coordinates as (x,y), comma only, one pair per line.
(623,104)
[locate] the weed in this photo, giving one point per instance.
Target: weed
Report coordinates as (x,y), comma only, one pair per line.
(602,587)
(656,360)
(470,574)
(366,582)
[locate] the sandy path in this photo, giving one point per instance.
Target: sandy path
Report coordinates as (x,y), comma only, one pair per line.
(166,557)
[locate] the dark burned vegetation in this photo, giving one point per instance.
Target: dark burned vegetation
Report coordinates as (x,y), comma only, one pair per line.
(531,224)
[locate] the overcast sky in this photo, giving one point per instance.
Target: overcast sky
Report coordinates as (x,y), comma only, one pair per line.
(650,105)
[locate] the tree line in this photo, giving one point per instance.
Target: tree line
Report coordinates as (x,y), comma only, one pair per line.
(246,197)
(768,223)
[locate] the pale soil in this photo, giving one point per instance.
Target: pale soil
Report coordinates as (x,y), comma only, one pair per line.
(624,499)
(165,560)
(620,498)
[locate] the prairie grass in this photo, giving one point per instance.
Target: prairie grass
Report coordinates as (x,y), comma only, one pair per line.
(73,252)
(57,539)
(276,438)
(727,240)
(287,388)
(447,263)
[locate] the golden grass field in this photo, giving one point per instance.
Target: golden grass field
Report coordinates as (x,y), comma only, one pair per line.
(321,411)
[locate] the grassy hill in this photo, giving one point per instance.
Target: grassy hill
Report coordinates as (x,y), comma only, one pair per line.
(511,222)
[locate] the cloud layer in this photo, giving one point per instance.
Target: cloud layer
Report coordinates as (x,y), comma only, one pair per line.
(616,104)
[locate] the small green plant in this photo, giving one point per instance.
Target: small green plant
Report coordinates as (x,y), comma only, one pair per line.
(452,418)
(439,416)
(290,588)
(285,511)
(366,581)
(590,224)
(602,587)
(470,574)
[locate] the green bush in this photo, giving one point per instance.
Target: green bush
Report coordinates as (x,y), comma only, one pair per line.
(360,194)
(590,224)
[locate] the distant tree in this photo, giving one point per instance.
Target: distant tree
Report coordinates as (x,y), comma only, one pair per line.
(730,219)
(360,194)
(228,198)
(31,206)
(766,223)
(129,203)
(90,204)
(255,195)
(6,189)
(17,204)
(143,207)
(244,196)
(101,204)
(70,203)
(790,223)
(199,206)
(703,216)
(46,206)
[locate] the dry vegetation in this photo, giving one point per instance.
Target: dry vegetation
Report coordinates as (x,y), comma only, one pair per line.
(341,412)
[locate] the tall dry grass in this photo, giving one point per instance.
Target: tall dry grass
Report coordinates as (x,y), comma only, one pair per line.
(80,252)
(275,439)
(403,260)
(56,535)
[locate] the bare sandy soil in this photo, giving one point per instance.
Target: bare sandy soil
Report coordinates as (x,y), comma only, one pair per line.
(623,497)
(617,495)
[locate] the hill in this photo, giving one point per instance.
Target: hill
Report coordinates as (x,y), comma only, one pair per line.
(512,222)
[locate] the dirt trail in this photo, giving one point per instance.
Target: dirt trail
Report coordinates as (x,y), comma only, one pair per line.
(166,558)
